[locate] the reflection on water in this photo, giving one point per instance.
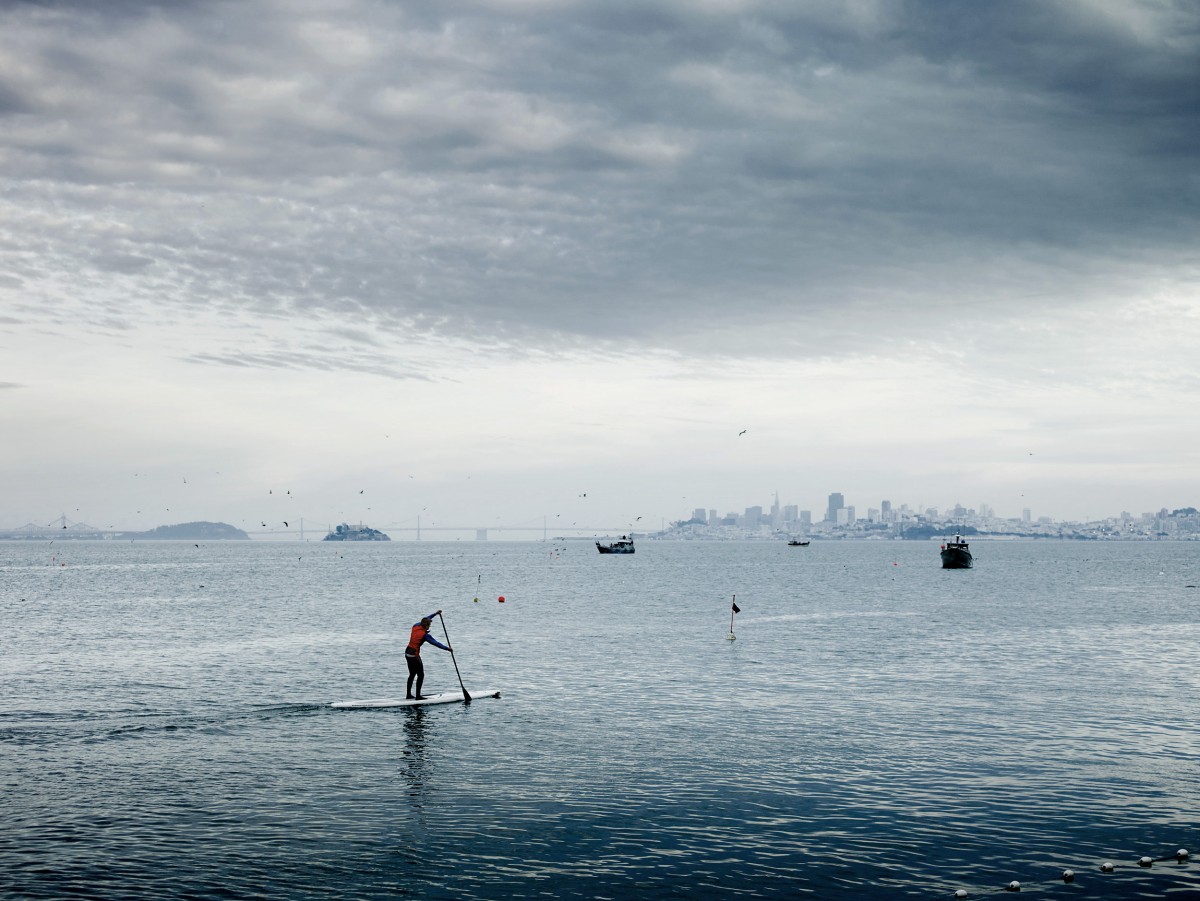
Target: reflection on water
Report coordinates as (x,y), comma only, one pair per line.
(414,765)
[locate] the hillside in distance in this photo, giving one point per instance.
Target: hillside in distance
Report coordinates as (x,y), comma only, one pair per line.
(192,531)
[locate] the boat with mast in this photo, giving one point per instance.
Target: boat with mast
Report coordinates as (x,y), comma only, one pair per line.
(956,554)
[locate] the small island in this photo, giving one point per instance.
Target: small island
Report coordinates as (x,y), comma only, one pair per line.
(190,531)
(346,532)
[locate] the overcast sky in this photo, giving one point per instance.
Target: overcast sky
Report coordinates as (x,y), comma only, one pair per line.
(355,260)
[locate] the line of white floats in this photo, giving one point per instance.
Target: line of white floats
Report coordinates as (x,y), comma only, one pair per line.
(1181,856)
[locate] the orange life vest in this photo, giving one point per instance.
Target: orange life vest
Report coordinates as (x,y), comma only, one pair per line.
(414,642)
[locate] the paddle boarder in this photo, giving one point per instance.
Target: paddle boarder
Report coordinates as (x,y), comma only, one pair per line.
(412,654)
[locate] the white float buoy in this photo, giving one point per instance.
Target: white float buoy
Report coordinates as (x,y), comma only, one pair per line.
(1145,861)
(730,637)
(962,893)
(1181,855)
(1068,875)
(1013,886)
(1106,867)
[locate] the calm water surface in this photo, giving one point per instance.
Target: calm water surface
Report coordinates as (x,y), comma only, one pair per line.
(880,728)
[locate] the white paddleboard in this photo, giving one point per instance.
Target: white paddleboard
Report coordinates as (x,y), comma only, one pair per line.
(444,698)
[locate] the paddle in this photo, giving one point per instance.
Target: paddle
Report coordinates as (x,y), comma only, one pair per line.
(466,697)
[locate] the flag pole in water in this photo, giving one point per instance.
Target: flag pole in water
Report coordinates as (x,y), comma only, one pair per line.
(736,609)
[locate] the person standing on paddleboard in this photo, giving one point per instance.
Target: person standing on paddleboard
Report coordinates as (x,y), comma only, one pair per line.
(412,654)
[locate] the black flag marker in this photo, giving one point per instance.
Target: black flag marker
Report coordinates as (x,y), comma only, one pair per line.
(736,608)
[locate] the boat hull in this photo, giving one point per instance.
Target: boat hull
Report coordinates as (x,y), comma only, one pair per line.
(614,548)
(957,558)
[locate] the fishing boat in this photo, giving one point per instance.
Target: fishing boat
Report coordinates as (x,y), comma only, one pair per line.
(956,554)
(622,546)
(796,542)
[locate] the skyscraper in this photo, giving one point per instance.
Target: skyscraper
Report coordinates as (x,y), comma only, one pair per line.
(836,502)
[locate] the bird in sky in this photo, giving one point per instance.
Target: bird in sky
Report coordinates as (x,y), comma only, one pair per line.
(742,432)
(285,525)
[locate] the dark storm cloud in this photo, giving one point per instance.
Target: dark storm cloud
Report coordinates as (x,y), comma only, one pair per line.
(701,176)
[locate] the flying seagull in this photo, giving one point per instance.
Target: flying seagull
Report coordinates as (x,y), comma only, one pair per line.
(742,432)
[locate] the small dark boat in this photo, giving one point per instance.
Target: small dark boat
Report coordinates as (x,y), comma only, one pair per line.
(956,554)
(796,542)
(624,546)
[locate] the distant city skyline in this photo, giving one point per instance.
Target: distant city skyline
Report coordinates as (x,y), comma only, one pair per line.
(887,511)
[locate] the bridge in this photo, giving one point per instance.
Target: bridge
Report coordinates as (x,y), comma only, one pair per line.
(482,533)
(61,527)
(415,528)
